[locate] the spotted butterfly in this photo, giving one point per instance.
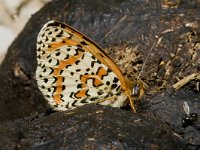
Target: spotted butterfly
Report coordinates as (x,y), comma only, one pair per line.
(73,71)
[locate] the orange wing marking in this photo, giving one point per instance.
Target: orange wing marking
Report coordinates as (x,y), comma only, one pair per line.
(96,81)
(56,72)
(101,72)
(81,94)
(64,42)
(59,81)
(57,98)
(64,63)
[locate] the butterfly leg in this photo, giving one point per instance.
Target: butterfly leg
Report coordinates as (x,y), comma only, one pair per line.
(131,103)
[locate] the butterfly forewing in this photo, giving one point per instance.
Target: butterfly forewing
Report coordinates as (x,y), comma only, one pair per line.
(73,71)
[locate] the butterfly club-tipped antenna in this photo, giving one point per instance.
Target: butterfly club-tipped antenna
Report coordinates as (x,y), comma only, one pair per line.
(138,88)
(145,61)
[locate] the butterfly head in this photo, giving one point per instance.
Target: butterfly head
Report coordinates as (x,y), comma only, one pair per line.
(136,88)
(134,91)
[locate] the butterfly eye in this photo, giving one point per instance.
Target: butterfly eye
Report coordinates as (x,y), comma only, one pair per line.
(136,90)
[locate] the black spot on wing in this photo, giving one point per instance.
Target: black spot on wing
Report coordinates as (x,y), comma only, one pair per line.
(77,62)
(50,32)
(83,43)
(78,70)
(79,86)
(118,88)
(108,83)
(59,35)
(100,92)
(44,70)
(109,70)
(67,105)
(46,39)
(55,79)
(98,61)
(43,66)
(50,60)
(74,102)
(40,42)
(94,58)
(84,101)
(61,97)
(113,86)
(51,71)
(43,35)
(77,50)
(53,39)
(115,80)
(48,96)
(61,71)
(66,57)
(68,66)
(57,53)
(63,87)
(43,52)
(54,89)
(71,95)
(45,80)
(94,98)
(78,45)
(80,49)
(92,63)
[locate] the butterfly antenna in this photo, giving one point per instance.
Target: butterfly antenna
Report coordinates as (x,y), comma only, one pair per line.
(142,69)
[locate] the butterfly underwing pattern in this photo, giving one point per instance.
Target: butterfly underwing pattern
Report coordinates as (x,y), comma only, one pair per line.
(73,71)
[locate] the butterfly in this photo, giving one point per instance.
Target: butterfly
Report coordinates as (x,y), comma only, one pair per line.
(72,71)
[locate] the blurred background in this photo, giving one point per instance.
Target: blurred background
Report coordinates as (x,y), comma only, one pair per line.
(13,16)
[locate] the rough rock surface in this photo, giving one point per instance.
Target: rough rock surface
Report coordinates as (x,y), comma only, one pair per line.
(89,127)
(168,29)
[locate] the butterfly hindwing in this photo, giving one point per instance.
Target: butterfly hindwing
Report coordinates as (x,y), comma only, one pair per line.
(70,71)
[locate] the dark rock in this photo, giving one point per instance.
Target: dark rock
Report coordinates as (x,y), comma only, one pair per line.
(88,127)
(169,109)
(170,29)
